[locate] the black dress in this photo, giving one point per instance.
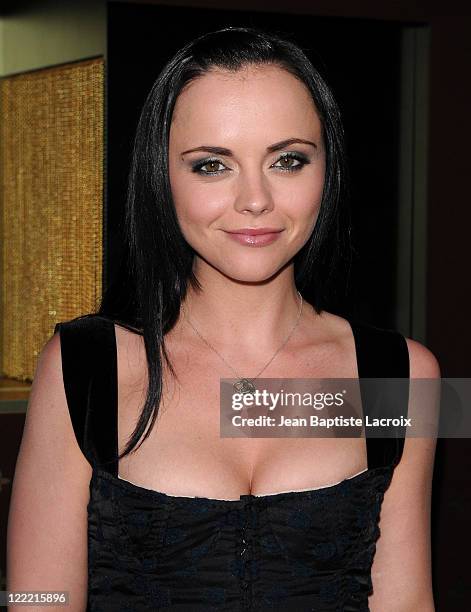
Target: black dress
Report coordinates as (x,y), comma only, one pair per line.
(295,551)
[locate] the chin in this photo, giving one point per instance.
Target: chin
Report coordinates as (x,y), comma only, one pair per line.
(250,274)
(251,269)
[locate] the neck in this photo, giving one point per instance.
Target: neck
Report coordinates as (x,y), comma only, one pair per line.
(252,318)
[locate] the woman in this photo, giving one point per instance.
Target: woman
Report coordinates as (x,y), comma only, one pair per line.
(235,206)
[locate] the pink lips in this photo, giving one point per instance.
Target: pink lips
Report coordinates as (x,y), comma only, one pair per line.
(259,236)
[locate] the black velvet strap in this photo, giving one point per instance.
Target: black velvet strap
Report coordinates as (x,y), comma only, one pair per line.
(381,353)
(89,370)
(89,367)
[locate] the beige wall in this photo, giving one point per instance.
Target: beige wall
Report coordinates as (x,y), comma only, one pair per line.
(46,32)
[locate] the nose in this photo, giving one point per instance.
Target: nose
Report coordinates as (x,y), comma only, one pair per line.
(254,193)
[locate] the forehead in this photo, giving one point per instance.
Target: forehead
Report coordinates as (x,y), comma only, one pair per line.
(258,100)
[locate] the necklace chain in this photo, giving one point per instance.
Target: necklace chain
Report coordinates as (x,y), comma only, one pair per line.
(247,382)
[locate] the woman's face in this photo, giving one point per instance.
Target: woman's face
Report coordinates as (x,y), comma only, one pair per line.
(246,152)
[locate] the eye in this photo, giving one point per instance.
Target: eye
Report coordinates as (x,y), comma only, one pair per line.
(212,165)
(290,162)
(288,158)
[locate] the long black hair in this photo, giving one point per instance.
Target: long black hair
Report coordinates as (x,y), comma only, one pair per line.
(159,260)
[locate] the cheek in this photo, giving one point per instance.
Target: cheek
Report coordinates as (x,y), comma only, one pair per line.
(197,207)
(197,203)
(301,200)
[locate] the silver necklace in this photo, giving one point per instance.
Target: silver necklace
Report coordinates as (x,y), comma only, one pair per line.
(245,385)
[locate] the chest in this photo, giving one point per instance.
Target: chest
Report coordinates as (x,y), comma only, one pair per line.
(185,453)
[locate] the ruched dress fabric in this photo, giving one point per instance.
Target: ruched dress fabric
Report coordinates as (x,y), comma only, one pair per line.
(292,551)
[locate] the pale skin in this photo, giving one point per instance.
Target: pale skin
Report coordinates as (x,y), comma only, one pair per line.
(248,306)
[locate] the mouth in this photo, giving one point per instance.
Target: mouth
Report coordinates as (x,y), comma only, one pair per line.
(255,231)
(255,236)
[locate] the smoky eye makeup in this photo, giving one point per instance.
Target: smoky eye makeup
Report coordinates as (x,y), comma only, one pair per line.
(296,161)
(198,166)
(297,156)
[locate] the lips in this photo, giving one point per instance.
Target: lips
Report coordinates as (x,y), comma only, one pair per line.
(255,237)
(255,231)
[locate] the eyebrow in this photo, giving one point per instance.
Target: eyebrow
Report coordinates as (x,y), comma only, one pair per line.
(270,149)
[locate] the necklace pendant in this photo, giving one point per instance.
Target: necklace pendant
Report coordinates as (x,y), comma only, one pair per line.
(244,386)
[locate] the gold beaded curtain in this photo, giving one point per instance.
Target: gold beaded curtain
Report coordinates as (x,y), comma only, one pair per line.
(51,160)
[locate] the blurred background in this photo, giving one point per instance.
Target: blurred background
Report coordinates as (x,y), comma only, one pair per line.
(73,77)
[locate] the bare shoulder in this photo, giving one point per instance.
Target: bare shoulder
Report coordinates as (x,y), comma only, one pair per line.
(131,361)
(423,363)
(48,433)
(47,403)
(325,327)
(48,369)
(130,349)
(334,328)
(416,465)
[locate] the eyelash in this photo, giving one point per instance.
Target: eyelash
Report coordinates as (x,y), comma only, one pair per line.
(197,167)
